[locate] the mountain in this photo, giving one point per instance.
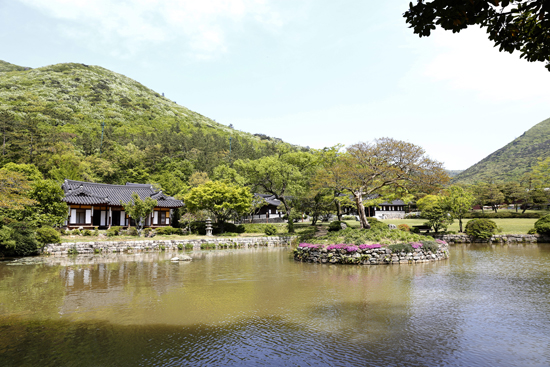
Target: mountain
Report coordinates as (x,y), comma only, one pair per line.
(85,122)
(455,172)
(6,66)
(514,159)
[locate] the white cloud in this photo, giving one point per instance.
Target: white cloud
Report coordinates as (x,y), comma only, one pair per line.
(468,61)
(201,26)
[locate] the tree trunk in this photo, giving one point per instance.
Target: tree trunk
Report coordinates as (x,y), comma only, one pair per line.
(460,225)
(338,209)
(290,220)
(361,210)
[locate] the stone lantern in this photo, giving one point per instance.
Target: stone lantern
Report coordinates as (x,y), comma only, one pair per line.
(208,227)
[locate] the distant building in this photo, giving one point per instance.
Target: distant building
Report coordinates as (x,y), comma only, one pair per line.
(98,205)
(387,210)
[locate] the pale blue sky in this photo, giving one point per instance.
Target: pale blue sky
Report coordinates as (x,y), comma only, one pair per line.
(311,72)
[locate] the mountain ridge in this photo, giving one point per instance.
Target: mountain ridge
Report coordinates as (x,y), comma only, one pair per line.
(512,160)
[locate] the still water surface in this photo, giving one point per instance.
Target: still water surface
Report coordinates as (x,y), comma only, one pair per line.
(486,306)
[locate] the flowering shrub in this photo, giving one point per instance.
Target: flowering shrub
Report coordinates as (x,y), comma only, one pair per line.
(302,245)
(376,245)
(404,227)
(416,245)
(441,242)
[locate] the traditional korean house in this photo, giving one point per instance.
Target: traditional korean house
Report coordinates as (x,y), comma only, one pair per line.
(387,210)
(98,205)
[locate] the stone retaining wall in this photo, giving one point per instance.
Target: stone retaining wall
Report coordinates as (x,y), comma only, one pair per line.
(378,256)
(499,238)
(163,245)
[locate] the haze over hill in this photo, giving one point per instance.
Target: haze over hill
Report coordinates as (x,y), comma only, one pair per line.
(514,159)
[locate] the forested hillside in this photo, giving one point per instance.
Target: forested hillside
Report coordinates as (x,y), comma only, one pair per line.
(512,161)
(87,123)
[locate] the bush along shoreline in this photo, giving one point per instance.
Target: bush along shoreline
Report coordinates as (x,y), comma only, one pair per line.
(373,254)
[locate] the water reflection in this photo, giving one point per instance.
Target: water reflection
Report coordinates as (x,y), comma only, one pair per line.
(485,306)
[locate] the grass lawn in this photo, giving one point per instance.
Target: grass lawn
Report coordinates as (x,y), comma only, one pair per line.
(508,225)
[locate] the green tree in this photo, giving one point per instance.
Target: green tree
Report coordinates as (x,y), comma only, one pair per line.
(387,168)
(513,25)
(513,193)
(282,175)
(50,210)
(488,194)
(139,209)
(14,191)
(219,198)
(316,203)
(458,202)
(433,209)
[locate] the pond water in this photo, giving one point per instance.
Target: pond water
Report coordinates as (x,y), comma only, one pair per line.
(486,306)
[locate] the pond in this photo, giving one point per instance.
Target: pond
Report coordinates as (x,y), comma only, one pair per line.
(486,306)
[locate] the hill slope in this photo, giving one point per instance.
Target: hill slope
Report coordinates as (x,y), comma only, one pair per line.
(52,117)
(513,160)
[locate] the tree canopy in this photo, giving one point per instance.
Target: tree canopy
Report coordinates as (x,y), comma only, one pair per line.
(219,198)
(139,209)
(513,25)
(387,168)
(284,176)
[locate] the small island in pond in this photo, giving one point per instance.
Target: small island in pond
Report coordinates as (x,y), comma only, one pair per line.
(373,254)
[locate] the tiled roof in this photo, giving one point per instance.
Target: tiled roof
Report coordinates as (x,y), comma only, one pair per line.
(89,193)
(394,202)
(270,199)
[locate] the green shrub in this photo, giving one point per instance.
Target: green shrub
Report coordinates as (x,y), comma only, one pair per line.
(542,226)
(481,228)
(335,226)
(430,245)
(404,227)
(96,231)
(76,232)
(113,231)
(270,230)
(17,238)
(348,217)
(147,231)
(86,232)
(97,250)
(72,251)
(532,231)
(132,231)
(162,248)
(180,246)
(47,235)
(188,246)
(229,227)
(400,247)
(164,231)
(376,224)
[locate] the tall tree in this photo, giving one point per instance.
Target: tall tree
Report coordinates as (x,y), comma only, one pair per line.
(387,168)
(513,25)
(139,209)
(282,175)
(14,191)
(458,202)
(221,199)
(488,193)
